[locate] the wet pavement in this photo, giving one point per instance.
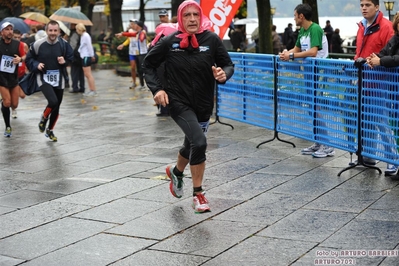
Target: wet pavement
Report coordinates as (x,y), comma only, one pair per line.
(99,195)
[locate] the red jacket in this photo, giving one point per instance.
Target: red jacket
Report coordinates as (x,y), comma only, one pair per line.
(376,37)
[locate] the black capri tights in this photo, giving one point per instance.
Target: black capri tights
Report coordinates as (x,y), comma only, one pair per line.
(194,145)
(54,99)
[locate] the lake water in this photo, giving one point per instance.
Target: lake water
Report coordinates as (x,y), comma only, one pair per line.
(347,25)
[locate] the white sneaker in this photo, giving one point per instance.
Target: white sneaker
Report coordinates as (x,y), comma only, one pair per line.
(90,93)
(144,88)
(323,152)
(138,87)
(310,150)
(14,114)
(391,170)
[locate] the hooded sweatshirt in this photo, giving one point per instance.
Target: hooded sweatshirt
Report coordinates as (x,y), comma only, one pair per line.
(188,63)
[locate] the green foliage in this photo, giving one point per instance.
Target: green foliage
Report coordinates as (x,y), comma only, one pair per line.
(123,54)
(242,10)
(106,58)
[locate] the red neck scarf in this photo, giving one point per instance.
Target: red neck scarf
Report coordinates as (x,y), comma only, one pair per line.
(205,24)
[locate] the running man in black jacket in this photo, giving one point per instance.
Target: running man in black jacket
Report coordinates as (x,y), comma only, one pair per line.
(47,57)
(195,60)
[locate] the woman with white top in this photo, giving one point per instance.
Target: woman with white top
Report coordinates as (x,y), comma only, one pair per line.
(87,54)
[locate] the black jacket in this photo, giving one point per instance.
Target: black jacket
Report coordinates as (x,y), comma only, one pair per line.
(189,76)
(336,43)
(389,55)
(41,51)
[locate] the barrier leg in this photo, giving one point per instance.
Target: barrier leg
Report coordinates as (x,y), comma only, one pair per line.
(359,131)
(361,163)
(275,113)
(276,137)
(217,108)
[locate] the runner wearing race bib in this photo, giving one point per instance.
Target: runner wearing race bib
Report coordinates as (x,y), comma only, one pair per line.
(48,57)
(11,54)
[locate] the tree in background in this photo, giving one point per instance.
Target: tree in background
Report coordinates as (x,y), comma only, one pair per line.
(142,9)
(242,10)
(175,6)
(12,7)
(115,7)
(313,5)
(265,26)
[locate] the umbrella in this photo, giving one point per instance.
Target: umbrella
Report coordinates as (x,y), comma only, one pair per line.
(64,28)
(245,21)
(18,23)
(36,16)
(255,34)
(32,22)
(71,15)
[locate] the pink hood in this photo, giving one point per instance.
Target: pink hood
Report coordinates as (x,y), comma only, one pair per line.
(205,24)
(163,29)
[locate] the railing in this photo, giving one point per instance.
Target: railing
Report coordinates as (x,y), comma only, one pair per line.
(327,101)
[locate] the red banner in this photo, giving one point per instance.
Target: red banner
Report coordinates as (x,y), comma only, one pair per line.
(221,13)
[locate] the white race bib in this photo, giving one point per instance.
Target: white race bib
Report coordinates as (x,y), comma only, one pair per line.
(52,77)
(6,64)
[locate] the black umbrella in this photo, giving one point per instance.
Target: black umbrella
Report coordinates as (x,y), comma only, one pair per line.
(18,23)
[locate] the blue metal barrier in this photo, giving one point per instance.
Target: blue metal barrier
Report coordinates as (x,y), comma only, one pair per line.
(336,103)
(295,98)
(317,100)
(379,113)
(249,95)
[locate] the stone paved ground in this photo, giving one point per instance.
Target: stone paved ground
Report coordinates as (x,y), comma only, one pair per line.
(99,195)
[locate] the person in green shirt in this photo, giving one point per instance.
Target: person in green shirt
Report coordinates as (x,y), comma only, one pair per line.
(311,42)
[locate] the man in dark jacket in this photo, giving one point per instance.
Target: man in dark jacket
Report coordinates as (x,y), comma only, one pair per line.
(195,59)
(47,58)
(336,42)
(328,31)
(77,75)
(288,37)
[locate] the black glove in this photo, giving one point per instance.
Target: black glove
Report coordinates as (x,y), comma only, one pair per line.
(360,62)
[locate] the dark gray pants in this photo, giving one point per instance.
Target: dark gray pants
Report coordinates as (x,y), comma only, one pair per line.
(78,78)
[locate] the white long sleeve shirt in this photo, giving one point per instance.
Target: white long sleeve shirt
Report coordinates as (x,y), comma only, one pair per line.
(85,48)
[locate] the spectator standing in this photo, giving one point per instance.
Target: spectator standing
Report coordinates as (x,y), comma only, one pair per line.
(336,42)
(191,77)
(238,38)
(373,34)
(311,42)
(328,31)
(77,75)
(11,53)
(101,36)
(388,57)
(108,35)
(67,79)
(288,37)
(48,57)
(277,47)
(86,52)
